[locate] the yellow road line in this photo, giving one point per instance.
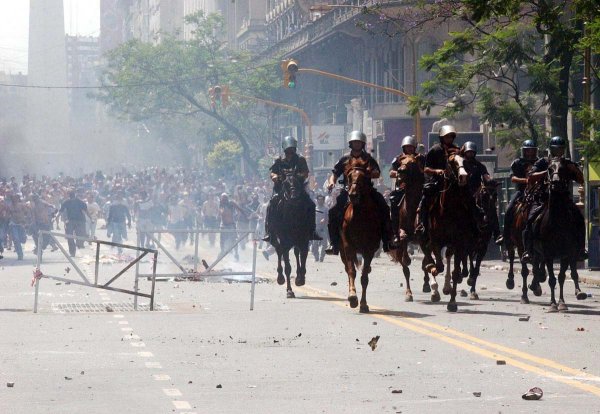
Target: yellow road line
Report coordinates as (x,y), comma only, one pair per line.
(441,333)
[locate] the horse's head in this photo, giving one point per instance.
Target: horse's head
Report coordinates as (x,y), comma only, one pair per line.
(558,175)
(358,178)
(292,185)
(487,195)
(456,168)
(410,168)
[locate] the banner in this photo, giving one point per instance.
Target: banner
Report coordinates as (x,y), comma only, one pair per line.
(328,137)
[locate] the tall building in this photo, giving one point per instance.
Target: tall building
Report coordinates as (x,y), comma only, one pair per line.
(47,146)
(151,19)
(115,23)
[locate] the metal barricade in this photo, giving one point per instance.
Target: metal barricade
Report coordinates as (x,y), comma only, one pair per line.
(207,270)
(85,281)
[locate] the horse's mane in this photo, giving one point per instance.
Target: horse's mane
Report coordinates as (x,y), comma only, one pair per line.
(356,163)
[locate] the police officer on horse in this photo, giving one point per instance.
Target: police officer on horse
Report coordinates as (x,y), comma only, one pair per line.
(436,162)
(538,172)
(519,170)
(409,149)
(357,142)
(290,161)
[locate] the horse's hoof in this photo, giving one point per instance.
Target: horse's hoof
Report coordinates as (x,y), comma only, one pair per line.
(280,280)
(408,298)
(446,290)
(452,307)
(553,308)
(435,297)
(474,296)
(364,309)
(524,300)
(537,290)
(426,288)
(469,282)
(300,281)
(353,301)
(562,307)
(581,296)
(290,295)
(510,284)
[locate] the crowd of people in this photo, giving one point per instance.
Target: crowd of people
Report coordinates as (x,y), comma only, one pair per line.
(127,202)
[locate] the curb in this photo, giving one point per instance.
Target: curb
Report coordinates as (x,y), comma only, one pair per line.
(589,280)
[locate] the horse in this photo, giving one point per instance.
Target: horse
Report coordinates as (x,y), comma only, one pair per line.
(486,198)
(291,229)
(361,229)
(515,241)
(411,173)
(553,229)
(450,224)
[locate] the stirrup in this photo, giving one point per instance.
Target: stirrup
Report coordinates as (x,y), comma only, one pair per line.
(526,258)
(315,236)
(332,251)
(500,240)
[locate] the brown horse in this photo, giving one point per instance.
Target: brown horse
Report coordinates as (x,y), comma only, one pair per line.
(361,229)
(515,241)
(451,225)
(411,174)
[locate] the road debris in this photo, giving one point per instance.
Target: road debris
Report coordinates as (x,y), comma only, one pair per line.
(333,284)
(533,394)
(500,362)
(396,391)
(463,293)
(477,394)
(219,386)
(524,319)
(10,384)
(373,342)
(580,329)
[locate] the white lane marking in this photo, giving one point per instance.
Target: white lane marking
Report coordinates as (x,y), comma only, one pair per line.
(172,392)
(137,344)
(118,316)
(144,354)
(123,323)
(131,337)
(153,365)
(182,405)
(161,377)
(127,329)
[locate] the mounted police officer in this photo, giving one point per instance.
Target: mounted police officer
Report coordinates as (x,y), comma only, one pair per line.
(409,148)
(290,161)
(356,141)
(539,171)
(478,174)
(519,170)
(436,162)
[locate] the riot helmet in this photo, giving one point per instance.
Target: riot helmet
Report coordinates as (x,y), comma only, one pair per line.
(289,142)
(357,136)
(557,146)
(529,150)
(409,141)
(470,146)
(447,130)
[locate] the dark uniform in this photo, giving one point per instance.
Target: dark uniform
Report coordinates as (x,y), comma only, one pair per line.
(336,213)
(540,165)
(437,159)
(520,169)
(397,194)
(281,165)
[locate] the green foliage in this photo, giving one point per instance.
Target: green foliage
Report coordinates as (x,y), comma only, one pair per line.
(225,156)
(170,80)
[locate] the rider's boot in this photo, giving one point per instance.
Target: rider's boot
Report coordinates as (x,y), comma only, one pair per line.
(315,236)
(528,245)
(395,217)
(334,234)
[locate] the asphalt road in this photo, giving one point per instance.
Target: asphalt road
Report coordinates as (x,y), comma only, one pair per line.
(206,352)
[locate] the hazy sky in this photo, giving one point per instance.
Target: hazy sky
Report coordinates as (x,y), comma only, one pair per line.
(81,17)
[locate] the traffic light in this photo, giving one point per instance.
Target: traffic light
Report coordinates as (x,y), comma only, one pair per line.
(289,68)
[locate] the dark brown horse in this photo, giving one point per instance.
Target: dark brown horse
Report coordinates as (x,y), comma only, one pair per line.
(411,174)
(554,231)
(361,229)
(451,225)
(486,198)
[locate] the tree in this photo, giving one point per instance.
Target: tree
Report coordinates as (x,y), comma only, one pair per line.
(224,156)
(171,79)
(511,58)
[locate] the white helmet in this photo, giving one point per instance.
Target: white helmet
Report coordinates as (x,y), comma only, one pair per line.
(289,142)
(357,136)
(409,140)
(447,130)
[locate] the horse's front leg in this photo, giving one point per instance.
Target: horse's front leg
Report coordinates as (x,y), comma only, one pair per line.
(288,274)
(473,278)
(301,255)
(408,293)
(349,258)
(280,277)
(510,281)
(364,282)
(562,275)
(456,276)
(447,286)
(552,283)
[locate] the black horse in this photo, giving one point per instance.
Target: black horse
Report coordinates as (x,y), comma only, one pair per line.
(554,234)
(486,197)
(291,228)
